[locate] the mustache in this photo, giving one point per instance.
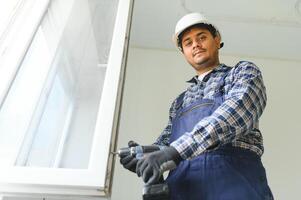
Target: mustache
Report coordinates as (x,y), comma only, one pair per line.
(198,51)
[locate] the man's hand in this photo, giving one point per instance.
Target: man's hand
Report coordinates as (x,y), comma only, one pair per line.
(129,162)
(152,165)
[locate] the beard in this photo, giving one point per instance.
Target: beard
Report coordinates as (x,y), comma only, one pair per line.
(202,61)
(203,64)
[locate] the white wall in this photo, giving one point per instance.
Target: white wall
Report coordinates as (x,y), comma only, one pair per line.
(155,77)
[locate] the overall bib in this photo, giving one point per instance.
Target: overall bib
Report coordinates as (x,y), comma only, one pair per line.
(222,173)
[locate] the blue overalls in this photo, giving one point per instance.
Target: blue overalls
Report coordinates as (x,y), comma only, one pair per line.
(222,173)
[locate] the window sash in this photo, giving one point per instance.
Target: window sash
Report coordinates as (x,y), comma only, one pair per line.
(13,45)
(95,180)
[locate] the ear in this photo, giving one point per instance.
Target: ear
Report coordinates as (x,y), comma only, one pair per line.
(218,41)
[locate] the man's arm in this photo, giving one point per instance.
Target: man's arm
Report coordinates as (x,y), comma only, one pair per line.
(163,139)
(243,105)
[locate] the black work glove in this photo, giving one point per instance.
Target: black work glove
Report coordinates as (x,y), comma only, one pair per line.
(152,165)
(129,162)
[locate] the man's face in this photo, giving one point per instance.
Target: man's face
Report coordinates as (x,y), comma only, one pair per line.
(200,49)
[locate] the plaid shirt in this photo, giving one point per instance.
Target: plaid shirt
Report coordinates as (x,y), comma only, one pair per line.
(235,121)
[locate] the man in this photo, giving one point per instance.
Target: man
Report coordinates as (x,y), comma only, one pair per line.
(212,135)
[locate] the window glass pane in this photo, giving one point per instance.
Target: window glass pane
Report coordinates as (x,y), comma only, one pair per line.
(58,88)
(51,127)
(20,104)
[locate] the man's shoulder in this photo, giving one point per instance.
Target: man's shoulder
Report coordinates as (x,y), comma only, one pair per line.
(245,65)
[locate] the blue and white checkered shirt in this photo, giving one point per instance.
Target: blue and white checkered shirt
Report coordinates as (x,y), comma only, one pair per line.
(235,121)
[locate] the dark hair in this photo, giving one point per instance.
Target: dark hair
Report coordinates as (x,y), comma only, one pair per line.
(209,27)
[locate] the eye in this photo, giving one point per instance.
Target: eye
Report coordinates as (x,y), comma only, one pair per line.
(202,37)
(187,43)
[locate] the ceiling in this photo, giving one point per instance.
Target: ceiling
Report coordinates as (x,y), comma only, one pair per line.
(261,28)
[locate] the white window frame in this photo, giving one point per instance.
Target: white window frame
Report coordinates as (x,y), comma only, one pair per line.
(96,180)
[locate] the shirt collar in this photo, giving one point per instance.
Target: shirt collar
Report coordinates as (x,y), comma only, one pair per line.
(195,80)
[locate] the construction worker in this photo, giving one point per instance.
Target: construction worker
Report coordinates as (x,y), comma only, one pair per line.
(212,136)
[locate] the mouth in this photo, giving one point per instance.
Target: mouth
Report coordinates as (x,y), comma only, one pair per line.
(198,53)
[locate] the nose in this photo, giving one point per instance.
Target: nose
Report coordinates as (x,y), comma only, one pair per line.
(196,43)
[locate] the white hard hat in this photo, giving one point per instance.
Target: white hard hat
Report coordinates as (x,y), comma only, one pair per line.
(188,21)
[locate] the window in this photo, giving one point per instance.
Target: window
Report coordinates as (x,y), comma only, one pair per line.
(7,12)
(60,85)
